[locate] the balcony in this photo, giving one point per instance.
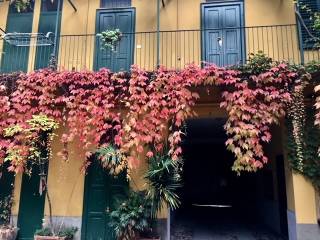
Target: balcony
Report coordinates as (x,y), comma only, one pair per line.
(172,49)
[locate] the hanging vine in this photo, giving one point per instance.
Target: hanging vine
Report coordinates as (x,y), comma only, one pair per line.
(138,113)
(254,101)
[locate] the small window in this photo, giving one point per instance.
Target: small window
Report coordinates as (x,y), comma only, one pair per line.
(115,3)
(50,6)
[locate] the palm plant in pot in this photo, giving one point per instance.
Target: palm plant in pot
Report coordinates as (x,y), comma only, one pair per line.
(163,179)
(7,230)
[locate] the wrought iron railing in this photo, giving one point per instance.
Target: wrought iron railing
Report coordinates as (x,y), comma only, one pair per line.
(176,49)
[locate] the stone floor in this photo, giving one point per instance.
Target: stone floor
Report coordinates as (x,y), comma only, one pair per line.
(197,226)
(225,232)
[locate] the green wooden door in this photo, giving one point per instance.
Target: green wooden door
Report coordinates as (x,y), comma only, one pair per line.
(47,23)
(16,58)
(6,182)
(102,192)
(31,206)
(122,58)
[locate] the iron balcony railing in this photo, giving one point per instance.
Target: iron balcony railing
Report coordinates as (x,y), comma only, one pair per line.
(223,47)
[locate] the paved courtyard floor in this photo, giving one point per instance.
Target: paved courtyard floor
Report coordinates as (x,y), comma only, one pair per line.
(225,232)
(193,228)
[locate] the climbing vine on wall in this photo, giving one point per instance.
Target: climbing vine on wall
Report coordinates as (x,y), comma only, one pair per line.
(255,100)
(138,113)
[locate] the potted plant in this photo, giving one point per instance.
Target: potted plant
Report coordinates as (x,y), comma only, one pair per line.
(110,38)
(163,181)
(132,219)
(57,233)
(21,5)
(7,230)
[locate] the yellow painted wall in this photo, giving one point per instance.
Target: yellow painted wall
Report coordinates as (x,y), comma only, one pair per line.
(66,182)
(16,194)
(77,52)
(305,200)
(35,27)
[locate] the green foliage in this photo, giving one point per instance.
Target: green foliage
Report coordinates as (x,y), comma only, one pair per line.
(309,166)
(21,5)
(33,142)
(163,181)
(132,217)
(112,159)
(67,232)
(257,64)
(5,209)
(110,38)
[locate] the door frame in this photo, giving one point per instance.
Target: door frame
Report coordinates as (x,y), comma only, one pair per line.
(113,10)
(22,200)
(220,3)
(86,192)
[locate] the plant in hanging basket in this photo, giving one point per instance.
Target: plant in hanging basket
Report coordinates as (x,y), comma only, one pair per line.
(21,5)
(110,38)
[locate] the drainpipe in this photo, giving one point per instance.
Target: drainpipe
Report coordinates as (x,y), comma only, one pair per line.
(158,33)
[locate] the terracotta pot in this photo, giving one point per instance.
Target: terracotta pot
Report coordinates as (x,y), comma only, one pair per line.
(8,233)
(48,238)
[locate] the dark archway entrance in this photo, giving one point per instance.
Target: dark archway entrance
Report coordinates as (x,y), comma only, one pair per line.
(218,204)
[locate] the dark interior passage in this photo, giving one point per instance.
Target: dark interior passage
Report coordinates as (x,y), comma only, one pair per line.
(215,200)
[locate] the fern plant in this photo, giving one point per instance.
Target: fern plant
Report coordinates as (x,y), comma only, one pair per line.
(132,217)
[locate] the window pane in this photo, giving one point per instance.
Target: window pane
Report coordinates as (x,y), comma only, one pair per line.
(50,6)
(115,3)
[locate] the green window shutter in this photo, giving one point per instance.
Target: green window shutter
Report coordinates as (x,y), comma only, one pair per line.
(314,6)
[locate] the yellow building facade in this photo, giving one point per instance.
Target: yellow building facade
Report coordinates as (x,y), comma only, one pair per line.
(260,25)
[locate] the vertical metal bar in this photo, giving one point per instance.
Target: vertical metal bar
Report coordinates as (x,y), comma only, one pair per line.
(300,39)
(169,224)
(158,33)
(56,29)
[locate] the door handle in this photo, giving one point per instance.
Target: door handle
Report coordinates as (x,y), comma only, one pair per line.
(219,39)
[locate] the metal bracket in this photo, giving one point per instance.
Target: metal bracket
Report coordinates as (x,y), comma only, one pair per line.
(1,29)
(72,5)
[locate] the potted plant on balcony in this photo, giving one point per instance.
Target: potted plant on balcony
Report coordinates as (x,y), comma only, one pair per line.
(7,230)
(110,38)
(21,5)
